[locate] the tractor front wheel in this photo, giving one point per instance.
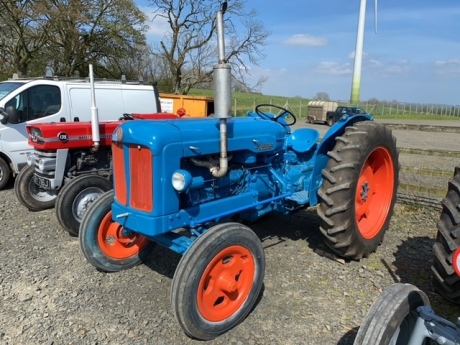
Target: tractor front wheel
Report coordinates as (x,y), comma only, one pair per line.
(105,244)
(446,279)
(218,280)
(392,317)
(76,197)
(31,195)
(358,193)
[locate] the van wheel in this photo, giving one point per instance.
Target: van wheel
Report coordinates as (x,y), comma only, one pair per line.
(76,197)
(330,121)
(29,194)
(5,173)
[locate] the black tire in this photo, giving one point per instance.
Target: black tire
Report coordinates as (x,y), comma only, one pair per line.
(29,194)
(445,280)
(358,193)
(76,197)
(204,316)
(330,121)
(116,253)
(5,173)
(394,309)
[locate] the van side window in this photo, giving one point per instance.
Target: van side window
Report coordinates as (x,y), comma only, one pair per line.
(46,100)
(36,102)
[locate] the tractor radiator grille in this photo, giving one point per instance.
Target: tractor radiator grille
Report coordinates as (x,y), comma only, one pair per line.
(119,173)
(141,180)
(140,176)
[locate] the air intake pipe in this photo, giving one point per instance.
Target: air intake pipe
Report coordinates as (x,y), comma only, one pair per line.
(94,113)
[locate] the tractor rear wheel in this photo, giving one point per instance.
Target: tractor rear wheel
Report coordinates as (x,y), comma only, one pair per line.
(391,318)
(76,197)
(29,194)
(446,280)
(218,280)
(358,193)
(104,243)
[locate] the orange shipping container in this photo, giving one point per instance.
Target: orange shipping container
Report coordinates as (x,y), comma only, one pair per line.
(194,106)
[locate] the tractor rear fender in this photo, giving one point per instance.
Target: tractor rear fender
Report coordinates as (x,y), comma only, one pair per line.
(326,145)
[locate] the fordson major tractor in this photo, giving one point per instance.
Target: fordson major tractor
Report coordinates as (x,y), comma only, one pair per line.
(192,184)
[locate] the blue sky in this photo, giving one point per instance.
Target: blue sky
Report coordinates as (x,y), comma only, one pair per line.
(414,57)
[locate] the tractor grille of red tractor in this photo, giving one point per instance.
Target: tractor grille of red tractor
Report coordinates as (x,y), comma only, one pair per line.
(140,176)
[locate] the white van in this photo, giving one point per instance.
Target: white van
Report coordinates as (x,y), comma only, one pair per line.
(28,101)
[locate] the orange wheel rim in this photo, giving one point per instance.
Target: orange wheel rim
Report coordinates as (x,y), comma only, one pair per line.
(114,244)
(374,192)
(225,283)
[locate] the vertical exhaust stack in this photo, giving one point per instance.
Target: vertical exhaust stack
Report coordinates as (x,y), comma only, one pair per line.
(94,114)
(222,94)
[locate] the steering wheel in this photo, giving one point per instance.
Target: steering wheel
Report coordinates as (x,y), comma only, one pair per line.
(282,114)
(127,116)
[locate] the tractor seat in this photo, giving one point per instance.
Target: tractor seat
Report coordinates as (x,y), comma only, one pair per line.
(303,139)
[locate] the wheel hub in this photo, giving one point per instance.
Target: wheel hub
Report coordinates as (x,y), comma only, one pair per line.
(84,200)
(110,240)
(114,244)
(364,191)
(226,282)
(86,203)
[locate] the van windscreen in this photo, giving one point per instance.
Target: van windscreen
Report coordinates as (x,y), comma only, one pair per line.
(8,87)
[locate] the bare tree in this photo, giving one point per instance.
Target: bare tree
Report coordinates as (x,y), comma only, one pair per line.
(189,47)
(322,96)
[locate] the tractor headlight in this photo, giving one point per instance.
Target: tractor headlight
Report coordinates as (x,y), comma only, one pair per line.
(41,164)
(181,180)
(117,135)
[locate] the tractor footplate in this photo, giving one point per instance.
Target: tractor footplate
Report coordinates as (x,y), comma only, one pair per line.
(301,197)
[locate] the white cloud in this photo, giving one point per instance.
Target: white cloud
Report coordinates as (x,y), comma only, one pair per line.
(332,67)
(451,66)
(375,63)
(305,40)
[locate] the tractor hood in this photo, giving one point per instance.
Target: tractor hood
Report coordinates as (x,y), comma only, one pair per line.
(59,135)
(202,136)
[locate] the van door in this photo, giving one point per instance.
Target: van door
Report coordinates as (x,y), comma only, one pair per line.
(40,103)
(109,102)
(139,100)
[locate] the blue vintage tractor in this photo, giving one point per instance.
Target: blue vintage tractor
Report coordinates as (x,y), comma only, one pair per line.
(192,184)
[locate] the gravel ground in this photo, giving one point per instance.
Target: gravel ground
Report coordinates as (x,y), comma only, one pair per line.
(49,294)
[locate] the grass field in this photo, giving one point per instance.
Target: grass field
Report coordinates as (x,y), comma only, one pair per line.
(242,102)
